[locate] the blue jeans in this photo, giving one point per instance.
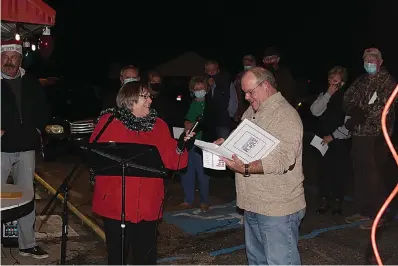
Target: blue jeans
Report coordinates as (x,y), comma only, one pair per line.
(272,240)
(195,169)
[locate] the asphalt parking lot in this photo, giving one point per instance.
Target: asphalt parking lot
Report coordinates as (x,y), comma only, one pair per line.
(215,237)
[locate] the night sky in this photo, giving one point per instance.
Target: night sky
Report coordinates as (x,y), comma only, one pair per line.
(311,35)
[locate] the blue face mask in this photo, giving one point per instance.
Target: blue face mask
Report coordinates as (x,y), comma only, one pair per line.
(199,94)
(127,80)
(370,68)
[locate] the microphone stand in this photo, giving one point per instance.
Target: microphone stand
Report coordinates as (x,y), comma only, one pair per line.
(64,187)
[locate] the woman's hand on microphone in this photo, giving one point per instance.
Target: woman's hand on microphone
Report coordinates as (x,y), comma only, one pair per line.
(188,136)
(185,141)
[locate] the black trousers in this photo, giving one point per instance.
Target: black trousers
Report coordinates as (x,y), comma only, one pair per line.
(369,160)
(335,170)
(140,237)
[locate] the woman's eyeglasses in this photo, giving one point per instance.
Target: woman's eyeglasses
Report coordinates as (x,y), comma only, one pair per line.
(146,96)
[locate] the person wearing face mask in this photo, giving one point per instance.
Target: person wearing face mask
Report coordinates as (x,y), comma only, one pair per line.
(221,102)
(135,122)
(283,77)
(364,101)
(128,73)
(161,102)
(199,87)
(328,107)
(248,62)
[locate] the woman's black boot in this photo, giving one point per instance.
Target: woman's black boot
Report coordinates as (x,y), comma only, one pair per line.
(337,207)
(324,208)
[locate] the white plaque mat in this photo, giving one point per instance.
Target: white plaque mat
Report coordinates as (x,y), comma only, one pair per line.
(51,228)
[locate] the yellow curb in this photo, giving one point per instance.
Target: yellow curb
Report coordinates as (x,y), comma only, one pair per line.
(73,209)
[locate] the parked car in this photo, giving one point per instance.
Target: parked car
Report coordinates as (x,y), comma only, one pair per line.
(74,106)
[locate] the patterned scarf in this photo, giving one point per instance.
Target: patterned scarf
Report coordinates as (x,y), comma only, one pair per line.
(132,122)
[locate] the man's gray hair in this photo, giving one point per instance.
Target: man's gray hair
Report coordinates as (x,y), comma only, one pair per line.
(129,94)
(128,67)
(262,75)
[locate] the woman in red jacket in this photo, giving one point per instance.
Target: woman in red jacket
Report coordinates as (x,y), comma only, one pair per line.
(134,122)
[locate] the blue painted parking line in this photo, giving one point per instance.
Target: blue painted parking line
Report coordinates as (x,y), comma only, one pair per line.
(223,217)
(310,235)
(217,218)
(313,234)
(172,259)
(229,250)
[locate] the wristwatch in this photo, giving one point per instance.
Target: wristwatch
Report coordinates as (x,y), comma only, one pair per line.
(246,174)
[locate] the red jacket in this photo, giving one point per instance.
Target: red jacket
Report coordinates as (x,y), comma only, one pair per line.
(143,195)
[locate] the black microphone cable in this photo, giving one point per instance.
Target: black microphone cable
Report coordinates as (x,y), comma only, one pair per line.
(198,120)
(162,204)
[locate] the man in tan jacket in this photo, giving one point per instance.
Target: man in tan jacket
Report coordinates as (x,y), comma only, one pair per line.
(271,190)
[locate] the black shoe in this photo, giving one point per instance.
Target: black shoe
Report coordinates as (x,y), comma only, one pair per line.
(324,208)
(36,252)
(337,207)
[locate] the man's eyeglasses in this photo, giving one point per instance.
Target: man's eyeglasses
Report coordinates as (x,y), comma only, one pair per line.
(250,92)
(146,96)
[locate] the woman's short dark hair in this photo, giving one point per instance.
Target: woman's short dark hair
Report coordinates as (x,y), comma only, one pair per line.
(339,70)
(152,74)
(130,93)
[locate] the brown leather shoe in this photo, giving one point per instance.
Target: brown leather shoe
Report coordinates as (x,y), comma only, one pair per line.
(204,207)
(186,205)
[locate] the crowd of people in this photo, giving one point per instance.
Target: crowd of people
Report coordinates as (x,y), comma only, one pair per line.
(269,190)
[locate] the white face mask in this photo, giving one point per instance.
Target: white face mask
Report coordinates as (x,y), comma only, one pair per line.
(247,67)
(127,80)
(199,94)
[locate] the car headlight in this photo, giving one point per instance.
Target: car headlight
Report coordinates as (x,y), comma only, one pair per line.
(54,129)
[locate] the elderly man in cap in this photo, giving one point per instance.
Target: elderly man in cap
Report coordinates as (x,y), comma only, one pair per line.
(248,62)
(364,101)
(283,77)
(270,190)
(23,116)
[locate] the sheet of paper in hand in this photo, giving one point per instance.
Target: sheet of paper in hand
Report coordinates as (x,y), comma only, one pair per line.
(212,161)
(211,155)
(250,142)
(177,131)
(213,148)
(317,142)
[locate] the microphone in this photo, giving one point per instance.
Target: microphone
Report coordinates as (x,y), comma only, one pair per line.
(195,125)
(181,142)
